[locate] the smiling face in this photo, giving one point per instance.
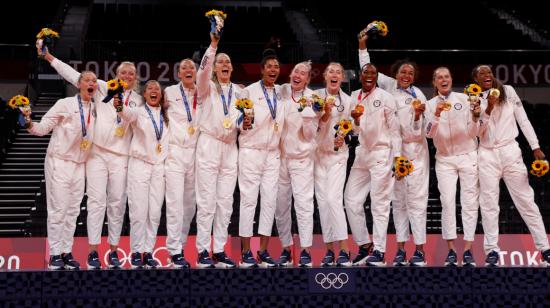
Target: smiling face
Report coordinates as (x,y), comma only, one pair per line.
(484,77)
(443,81)
(405,75)
(334,75)
(87,84)
(299,77)
(187,73)
(369,75)
(127,72)
(152,93)
(223,68)
(270,72)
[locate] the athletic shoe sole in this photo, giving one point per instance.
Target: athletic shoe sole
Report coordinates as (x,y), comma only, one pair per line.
(224,265)
(247,265)
(344,264)
(418,264)
(55,268)
(377,264)
(361,262)
(200,265)
(91,267)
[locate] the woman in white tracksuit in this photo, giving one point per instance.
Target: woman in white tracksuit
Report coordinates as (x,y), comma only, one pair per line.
(330,168)
(500,157)
(259,161)
(72,121)
(180,163)
(410,199)
(107,166)
(217,155)
(297,148)
(148,152)
(380,143)
(453,125)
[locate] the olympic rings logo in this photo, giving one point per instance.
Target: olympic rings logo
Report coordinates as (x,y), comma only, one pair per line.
(331,280)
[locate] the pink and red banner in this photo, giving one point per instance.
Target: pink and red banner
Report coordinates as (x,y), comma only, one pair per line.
(32,253)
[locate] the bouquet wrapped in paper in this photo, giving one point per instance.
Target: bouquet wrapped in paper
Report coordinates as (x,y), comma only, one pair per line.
(375,28)
(343,128)
(115,87)
(246,106)
(402,167)
(473,91)
(217,20)
(45,39)
(539,167)
(23,104)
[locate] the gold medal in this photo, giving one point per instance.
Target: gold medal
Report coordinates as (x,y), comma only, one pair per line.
(276,127)
(119,131)
(416,103)
(226,123)
(84,144)
(159,148)
(447,106)
(190,130)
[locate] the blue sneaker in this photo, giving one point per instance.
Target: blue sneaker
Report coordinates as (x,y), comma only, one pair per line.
(305,259)
(136,261)
(93,262)
(178,261)
(70,262)
(148,260)
(223,261)
(362,254)
(468,259)
(328,259)
(265,260)
(400,258)
(56,263)
(286,258)
(418,259)
(451,259)
(343,259)
(114,261)
(204,260)
(247,260)
(376,259)
(545,258)
(492,259)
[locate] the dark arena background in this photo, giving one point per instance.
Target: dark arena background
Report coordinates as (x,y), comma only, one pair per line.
(512,37)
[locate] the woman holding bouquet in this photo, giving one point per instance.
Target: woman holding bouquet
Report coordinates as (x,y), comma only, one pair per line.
(500,157)
(410,200)
(72,121)
(180,163)
(217,154)
(454,126)
(148,151)
(380,144)
(297,148)
(259,160)
(106,169)
(331,159)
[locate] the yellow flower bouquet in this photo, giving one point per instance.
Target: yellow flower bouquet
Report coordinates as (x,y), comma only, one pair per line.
(115,87)
(315,101)
(539,168)
(246,106)
(217,20)
(402,167)
(23,104)
(45,38)
(343,128)
(376,27)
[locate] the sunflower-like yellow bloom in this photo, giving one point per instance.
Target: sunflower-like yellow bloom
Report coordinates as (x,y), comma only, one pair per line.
(216,12)
(539,167)
(46,32)
(382,28)
(24,100)
(472,89)
(123,83)
(402,166)
(536,165)
(248,104)
(345,126)
(112,84)
(12,103)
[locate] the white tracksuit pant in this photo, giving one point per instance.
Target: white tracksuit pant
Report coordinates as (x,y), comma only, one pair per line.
(258,172)
(330,177)
(506,162)
(410,200)
(216,177)
(179,169)
(106,174)
(64,191)
(448,170)
(374,167)
(295,179)
(145,197)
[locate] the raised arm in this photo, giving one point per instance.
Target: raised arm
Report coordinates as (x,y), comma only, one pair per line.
(206,67)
